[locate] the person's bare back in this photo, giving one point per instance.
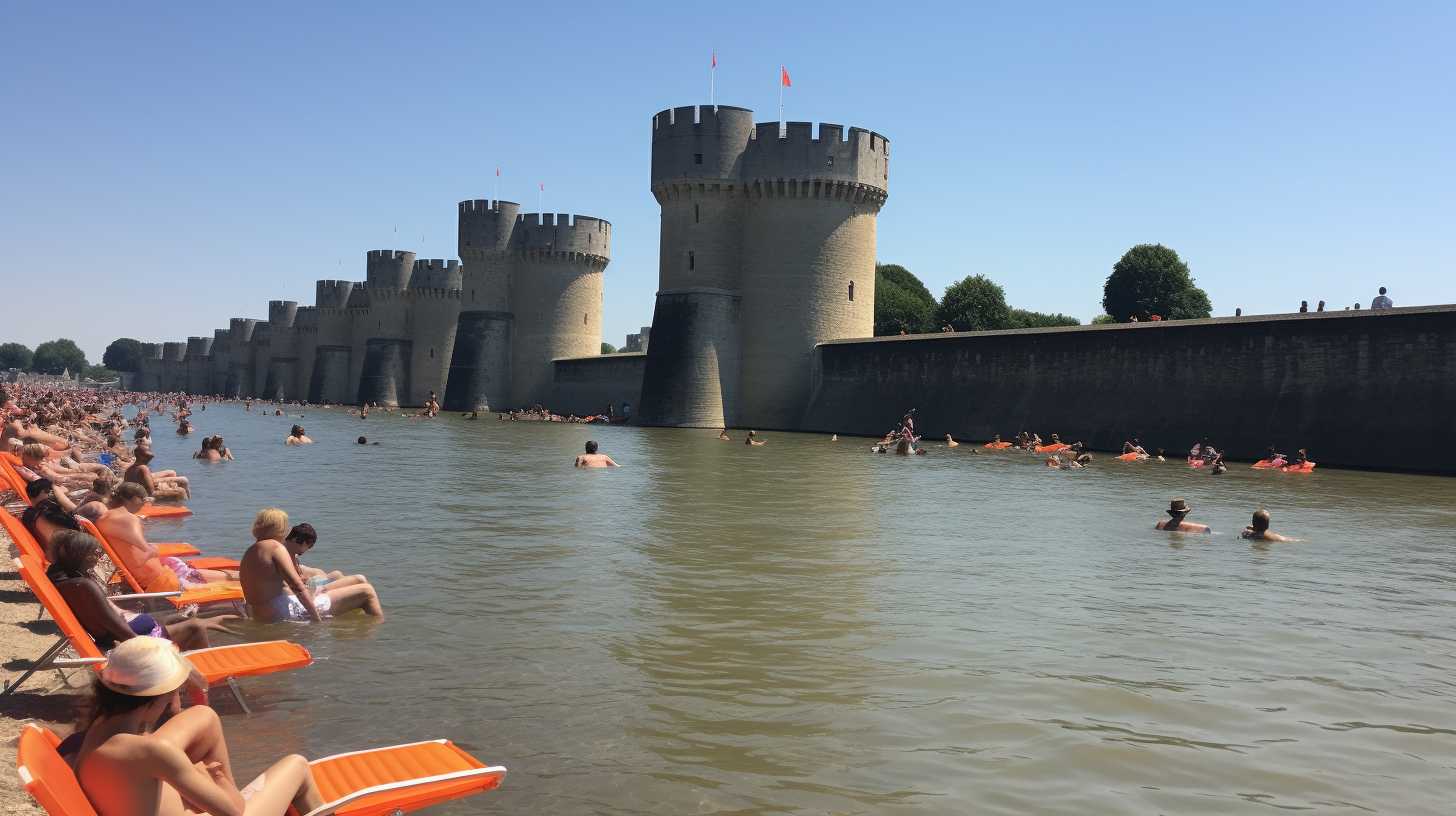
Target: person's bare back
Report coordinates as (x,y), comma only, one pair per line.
(267,573)
(592,459)
(123,531)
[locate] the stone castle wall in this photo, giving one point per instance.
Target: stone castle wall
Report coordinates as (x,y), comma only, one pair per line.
(1359,389)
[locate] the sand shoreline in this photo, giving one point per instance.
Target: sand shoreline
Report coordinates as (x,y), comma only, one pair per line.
(42,699)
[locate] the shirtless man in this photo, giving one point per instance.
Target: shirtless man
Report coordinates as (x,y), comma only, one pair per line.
(297,437)
(277,591)
(169,487)
(950,442)
(1259,530)
(723,436)
(1178,509)
(753,440)
(34,464)
(122,528)
(592,459)
(129,761)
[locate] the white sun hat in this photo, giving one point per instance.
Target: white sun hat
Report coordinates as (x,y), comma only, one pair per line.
(145,667)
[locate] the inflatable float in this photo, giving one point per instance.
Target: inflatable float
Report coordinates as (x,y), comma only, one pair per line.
(1268,464)
(1061,446)
(1302,467)
(996,445)
(1131,457)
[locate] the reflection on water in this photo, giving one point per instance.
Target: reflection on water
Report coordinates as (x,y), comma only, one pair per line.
(810,628)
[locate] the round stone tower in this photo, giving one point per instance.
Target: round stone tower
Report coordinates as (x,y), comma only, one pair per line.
(199,365)
(692,373)
(281,367)
(556,296)
(174,367)
(222,362)
(240,370)
(333,344)
(385,356)
(768,248)
(434,314)
(808,257)
(480,367)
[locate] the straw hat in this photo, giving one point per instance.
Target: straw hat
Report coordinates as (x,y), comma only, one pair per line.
(1178,507)
(145,667)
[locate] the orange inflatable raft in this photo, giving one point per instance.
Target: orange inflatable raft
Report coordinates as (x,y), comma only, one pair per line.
(997,445)
(1267,464)
(1061,446)
(1130,457)
(1302,467)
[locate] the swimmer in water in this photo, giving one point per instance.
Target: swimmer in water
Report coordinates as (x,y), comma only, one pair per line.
(296,436)
(950,442)
(834,437)
(1178,510)
(723,436)
(1258,529)
(753,441)
(592,459)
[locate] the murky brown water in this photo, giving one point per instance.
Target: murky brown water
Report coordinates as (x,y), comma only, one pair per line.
(808,628)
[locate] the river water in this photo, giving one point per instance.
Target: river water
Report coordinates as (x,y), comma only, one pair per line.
(810,628)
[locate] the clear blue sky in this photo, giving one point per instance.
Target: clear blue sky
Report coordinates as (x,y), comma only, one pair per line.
(168,166)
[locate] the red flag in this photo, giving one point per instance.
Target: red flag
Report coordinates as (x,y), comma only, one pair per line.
(715,59)
(784,79)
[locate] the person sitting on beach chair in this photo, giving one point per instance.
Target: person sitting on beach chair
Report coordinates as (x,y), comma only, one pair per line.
(277,591)
(123,529)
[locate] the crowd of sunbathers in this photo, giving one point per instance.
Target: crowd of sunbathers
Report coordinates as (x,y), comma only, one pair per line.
(84,499)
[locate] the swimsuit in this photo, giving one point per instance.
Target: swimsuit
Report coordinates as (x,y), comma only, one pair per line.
(287,607)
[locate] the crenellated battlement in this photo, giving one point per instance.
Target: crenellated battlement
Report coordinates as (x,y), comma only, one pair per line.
(332,293)
(358,297)
(174,351)
(563,235)
(486,226)
(699,142)
(241,329)
(435,274)
(860,157)
(281,312)
(388,268)
(198,347)
(307,318)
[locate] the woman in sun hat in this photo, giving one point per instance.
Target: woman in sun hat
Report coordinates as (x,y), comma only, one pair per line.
(141,754)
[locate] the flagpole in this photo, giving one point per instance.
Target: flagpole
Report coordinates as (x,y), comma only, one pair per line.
(713,81)
(781,101)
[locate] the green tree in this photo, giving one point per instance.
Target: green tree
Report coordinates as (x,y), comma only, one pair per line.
(1150,279)
(1103,319)
(974,304)
(901,302)
(57,356)
(124,354)
(608,348)
(100,373)
(14,355)
(1023,319)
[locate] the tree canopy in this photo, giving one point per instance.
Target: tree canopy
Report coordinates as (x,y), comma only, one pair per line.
(15,355)
(901,302)
(1023,319)
(100,373)
(1150,279)
(976,303)
(124,354)
(608,348)
(57,356)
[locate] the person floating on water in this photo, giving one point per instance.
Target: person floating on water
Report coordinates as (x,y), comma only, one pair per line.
(592,459)
(1178,510)
(723,436)
(296,436)
(1258,529)
(752,440)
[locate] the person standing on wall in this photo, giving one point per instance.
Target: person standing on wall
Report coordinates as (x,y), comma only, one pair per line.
(1382,301)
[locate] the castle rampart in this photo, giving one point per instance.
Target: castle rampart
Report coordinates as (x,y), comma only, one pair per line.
(389,268)
(479,375)
(768,247)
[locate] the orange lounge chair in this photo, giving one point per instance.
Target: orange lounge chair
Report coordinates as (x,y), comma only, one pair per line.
(219,663)
(223,592)
(16,482)
(399,779)
(24,541)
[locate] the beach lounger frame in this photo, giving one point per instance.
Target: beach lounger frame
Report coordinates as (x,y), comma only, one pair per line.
(212,593)
(47,777)
(225,663)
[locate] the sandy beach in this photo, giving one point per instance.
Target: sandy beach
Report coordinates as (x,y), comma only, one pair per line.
(41,700)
